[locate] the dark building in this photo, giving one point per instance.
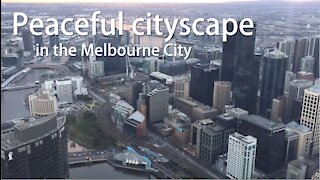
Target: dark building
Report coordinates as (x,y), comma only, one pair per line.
(54,40)
(27,40)
(201,85)
(136,90)
(114,64)
(38,39)
(35,148)
(10,60)
(241,68)
(173,67)
(210,138)
(274,66)
(271,138)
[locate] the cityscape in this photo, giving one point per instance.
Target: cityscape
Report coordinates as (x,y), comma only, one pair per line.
(199,108)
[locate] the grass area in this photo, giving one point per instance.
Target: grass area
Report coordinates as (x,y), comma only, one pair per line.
(85,130)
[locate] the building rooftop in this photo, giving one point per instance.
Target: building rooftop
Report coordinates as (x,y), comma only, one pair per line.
(264,123)
(276,54)
(137,116)
(247,139)
(315,88)
(24,132)
(297,127)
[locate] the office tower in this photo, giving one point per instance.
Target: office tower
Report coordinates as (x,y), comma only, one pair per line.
(210,139)
(207,53)
(288,47)
(237,112)
(296,90)
(54,40)
(273,78)
(96,69)
(64,90)
(310,115)
(297,169)
(241,156)
(301,51)
(291,144)
(241,67)
(268,133)
(278,108)
(157,104)
(307,64)
(136,90)
(305,136)
(27,40)
(289,77)
(114,64)
(221,95)
(181,87)
(316,54)
(38,39)
(42,103)
(35,148)
(201,84)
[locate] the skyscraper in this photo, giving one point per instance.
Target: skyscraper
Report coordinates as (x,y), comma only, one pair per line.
(240,66)
(241,156)
(307,64)
(54,40)
(288,47)
(271,145)
(35,148)
(157,104)
(27,40)
(296,90)
(201,85)
(221,94)
(310,115)
(273,78)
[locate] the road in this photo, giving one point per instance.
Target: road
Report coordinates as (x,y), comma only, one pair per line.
(95,155)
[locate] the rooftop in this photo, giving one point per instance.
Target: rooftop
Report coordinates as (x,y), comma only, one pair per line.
(276,54)
(246,139)
(20,134)
(137,116)
(264,123)
(297,127)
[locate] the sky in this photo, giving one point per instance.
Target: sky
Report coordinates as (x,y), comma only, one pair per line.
(128,1)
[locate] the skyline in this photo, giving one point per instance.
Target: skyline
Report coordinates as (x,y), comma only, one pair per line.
(146,1)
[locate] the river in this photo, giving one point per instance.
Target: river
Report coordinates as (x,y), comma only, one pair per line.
(12,106)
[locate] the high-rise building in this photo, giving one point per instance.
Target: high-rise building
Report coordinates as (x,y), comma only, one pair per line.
(305,75)
(305,137)
(241,156)
(157,105)
(201,85)
(42,103)
(289,77)
(288,47)
(278,108)
(310,115)
(269,157)
(35,148)
(307,64)
(181,87)
(27,40)
(221,95)
(136,90)
(96,69)
(54,40)
(296,90)
(64,90)
(241,67)
(210,138)
(301,50)
(273,79)
(121,110)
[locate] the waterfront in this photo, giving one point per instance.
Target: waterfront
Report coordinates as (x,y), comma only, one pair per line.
(12,106)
